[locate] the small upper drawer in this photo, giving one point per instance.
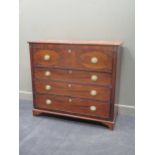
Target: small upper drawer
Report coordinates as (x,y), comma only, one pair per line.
(76,76)
(73,105)
(74,56)
(69,89)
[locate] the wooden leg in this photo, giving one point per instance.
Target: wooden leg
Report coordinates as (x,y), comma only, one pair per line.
(35,112)
(110,125)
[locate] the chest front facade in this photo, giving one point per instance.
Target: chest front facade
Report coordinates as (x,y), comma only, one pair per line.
(75,80)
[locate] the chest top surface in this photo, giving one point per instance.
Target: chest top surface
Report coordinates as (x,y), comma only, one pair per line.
(82,42)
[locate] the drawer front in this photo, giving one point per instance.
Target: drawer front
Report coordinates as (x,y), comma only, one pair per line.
(73,76)
(80,57)
(73,105)
(75,90)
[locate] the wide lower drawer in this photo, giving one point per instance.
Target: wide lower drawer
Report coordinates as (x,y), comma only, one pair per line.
(72,105)
(74,56)
(75,90)
(73,76)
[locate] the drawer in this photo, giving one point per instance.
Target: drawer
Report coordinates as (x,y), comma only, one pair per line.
(75,56)
(75,90)
(73,105)
(73,76)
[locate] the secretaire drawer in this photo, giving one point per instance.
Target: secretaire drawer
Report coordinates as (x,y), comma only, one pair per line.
(73,105)
(84,77)
(75,56)
(76,90)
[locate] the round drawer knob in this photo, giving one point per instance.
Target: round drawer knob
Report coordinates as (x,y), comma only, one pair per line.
(70,71)
(69,51)
(94,77)
(47,73)
(47,57)
(93,108)
(69,85)
(93,92)
(48,101)
(70,100)
(48,87)
(94,60)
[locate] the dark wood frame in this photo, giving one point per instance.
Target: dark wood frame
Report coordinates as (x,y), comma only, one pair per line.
(115,83)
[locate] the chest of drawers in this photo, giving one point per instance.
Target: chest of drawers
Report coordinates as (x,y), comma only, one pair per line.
(76,79)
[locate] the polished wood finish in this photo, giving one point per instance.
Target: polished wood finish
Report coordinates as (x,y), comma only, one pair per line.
(109,124)
(73,105)
(73,76)
(75,90)
(79,57)
(76,79)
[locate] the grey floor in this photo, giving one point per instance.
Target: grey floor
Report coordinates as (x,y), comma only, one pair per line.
(44,135)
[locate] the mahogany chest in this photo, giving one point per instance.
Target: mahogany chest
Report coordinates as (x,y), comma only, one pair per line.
(76,79)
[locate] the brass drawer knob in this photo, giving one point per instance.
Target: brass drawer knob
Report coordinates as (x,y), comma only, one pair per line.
(48,87)
(69,85)
(93,92)
(94,77)
(48,101)
(47,57)
(93,108)
(47,73)
(70,71)
(69,51)
(70,100)
(94,60)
